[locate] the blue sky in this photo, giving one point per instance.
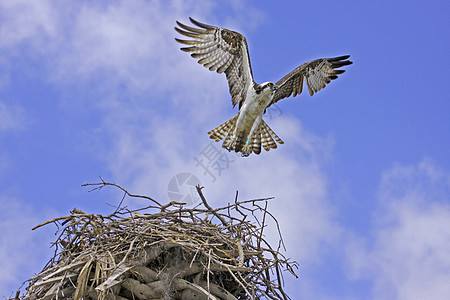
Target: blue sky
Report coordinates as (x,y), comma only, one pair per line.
(361,185)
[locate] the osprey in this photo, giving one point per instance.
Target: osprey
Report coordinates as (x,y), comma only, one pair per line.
(223,50)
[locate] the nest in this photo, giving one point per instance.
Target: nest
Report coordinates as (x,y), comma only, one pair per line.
(164,252)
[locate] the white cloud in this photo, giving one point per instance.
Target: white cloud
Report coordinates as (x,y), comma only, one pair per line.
(27,22)
(22,251)
(124,40)
(408,258)
(122,44)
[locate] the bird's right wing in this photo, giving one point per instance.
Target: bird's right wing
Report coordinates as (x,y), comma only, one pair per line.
(221,50)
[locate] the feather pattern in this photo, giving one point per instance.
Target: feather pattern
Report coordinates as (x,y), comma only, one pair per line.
(272,134)
(263,136)
(221,131)
(220,50)
(317,74)
(256,141)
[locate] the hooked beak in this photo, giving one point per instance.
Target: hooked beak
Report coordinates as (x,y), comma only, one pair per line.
(274,88)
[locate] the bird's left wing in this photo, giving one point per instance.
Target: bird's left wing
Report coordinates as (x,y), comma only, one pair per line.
(317,74)
(221,50)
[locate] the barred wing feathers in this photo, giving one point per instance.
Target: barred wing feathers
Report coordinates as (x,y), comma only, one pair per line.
(220,50)
(317,74)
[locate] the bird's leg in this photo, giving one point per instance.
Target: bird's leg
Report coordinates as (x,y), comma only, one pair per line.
(248,147)
(231,143)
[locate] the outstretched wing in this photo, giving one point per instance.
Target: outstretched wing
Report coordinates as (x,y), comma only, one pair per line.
(220,50)
(317,74)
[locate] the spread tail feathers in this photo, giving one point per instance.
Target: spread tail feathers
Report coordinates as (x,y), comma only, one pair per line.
(221,131)
(263,136)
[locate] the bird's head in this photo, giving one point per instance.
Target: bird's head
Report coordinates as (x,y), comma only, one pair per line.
(266,88)
(269,86)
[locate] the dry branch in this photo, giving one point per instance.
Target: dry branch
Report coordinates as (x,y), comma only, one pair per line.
(164,252)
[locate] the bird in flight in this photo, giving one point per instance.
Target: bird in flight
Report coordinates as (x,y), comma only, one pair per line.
(226,51)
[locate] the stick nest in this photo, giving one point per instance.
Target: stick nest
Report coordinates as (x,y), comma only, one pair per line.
(164,252)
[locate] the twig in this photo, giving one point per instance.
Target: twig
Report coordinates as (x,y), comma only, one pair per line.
(199,190)
(102,184)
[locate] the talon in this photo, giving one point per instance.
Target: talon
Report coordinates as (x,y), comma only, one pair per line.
(247,149)
(230,145)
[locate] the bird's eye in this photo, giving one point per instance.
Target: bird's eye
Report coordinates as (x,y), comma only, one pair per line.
(270,84)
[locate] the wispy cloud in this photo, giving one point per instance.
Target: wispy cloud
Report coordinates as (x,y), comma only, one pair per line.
(27,22)
(407,256)
(22,251)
